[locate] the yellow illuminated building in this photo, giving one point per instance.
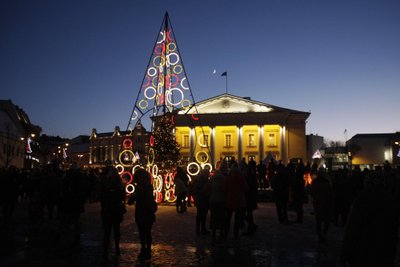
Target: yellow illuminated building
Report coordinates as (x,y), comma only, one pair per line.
(228,126)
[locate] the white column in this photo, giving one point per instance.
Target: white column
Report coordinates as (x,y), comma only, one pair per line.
(240,149)
(283,144)
(212,146)
(261,142)
(192,140)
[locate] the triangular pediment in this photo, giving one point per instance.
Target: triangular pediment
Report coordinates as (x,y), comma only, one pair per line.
(227,103)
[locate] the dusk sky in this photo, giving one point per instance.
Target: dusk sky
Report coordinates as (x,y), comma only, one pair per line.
(77,65)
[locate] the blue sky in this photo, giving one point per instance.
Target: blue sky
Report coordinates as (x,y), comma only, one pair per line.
(77,65)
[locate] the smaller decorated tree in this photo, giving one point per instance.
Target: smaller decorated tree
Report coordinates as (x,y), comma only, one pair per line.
(166,148)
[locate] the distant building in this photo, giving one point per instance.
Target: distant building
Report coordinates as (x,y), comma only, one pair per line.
(78,151)
(18,144)
(106,146)
(369,150)
(229,126)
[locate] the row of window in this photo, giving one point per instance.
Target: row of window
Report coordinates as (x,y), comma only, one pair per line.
(251,140)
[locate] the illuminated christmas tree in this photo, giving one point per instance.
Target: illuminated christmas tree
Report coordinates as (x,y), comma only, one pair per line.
(165,146)
(165,90)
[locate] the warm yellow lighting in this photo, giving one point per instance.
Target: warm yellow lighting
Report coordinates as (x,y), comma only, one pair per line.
(66,144)
(33,135)
(22,139)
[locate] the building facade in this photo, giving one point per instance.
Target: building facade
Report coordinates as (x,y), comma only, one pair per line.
(18,144)
(107,146)
(369,150)
(228,126)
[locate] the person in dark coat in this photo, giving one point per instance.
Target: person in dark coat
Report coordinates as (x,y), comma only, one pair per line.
(280,186)
(371,233)
(181,189)
(235,188)
(322,196)
(201,201)
(145,209)
(251,196)
(112,199)
(72,201)
(299,191)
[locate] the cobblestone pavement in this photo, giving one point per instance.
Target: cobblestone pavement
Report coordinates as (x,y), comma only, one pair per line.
(175,242)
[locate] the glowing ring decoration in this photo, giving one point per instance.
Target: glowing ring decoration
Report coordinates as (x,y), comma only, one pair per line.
(170,93)
(161,59)
(157,196)
(176,80)
(199,153)
(163,38)
(124,179)
(122,161)
(189,177)
(135,167)
(168,180)
(203,165)
(169,38)
(127,143)
(169,59)
(136,115)
(146,104)
(151,88)
(194,164)
(168,196)
(119,168)
(198,141)
(156,81)
(147,81)
(130,191)
(178,69)
(160,99)
(169,49)
(194,118)
(184,87)
(151,157)
(152,69)
(151,140)
(154,170)
(158,47)
(160,89)
(158,183)
(185,103)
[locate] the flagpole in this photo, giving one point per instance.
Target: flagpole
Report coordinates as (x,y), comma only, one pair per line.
(226,82)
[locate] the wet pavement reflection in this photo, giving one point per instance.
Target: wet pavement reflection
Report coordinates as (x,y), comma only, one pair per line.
(25,243)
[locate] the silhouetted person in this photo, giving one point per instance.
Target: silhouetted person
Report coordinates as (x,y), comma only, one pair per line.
(298,191)
(215,188)
(50,189)
(235,188)
(181,189)
(322,196)
(251,197)
(72,200)
(370,236)
(201,201)
(145,208)
(112,200)
(342,196)
(280,186)
(9,191)
(261,175)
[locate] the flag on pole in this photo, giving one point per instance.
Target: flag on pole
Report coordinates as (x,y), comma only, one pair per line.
(224,74)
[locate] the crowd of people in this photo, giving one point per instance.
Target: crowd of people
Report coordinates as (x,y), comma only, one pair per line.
(366,203)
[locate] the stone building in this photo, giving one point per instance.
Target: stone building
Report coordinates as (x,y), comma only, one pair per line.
(18,137)
(229,126)
(107,146)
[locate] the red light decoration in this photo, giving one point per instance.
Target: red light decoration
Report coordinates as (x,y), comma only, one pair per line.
(127,143)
